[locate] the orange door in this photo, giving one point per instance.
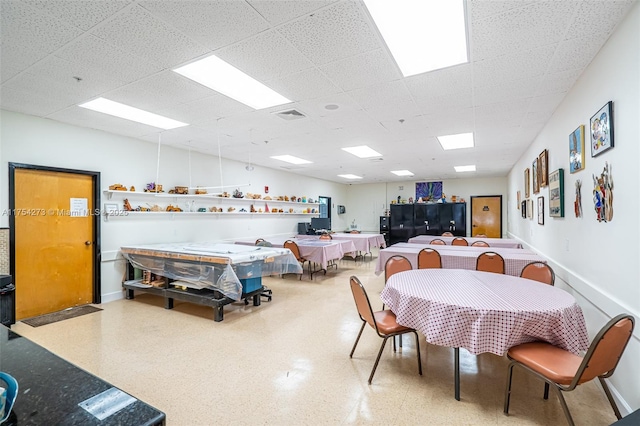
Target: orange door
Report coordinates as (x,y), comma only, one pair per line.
(486,216)
(53,241)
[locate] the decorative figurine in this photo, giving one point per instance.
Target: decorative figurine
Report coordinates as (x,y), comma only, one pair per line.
(577,204)
(603,195)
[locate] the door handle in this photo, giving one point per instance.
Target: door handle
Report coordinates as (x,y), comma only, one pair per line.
(87,243)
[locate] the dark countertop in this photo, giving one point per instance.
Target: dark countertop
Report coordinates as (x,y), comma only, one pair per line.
(51,388)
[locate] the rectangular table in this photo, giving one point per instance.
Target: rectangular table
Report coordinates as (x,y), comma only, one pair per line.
(363,242)
(493,242)
(322,252)
(206,273)
(50,390)
(454,257)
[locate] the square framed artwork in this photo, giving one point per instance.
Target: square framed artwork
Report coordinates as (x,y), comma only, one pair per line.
(527,183)
(540,210)
(535,175)
(576,150)
(601,130)
(543,162)
(556,193)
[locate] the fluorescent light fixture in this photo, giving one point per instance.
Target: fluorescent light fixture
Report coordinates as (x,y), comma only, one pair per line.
(461,169)
(402,173)
(350,176)
(130,113)
(218,75)
(422,35)
(462,140)
(290,159)
(362,151)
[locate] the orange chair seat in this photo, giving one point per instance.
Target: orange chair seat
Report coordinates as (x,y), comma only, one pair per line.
(387,323)
(551,361)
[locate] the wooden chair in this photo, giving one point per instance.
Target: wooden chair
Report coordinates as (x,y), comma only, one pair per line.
(326,237)
(383,322)
(479,244)
(539,271)
(480,236)
(438,241)
(459,241)
(429,258)
(564,370)
(490,261)
(293,246)
(354,232)
(447,234)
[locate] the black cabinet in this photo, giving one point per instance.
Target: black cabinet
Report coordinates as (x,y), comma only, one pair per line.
(409,220)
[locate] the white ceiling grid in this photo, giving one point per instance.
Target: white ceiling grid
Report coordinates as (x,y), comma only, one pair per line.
(524,57)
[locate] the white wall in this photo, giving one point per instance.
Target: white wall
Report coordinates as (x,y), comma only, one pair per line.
(367,202)
(597,262)
(31,140)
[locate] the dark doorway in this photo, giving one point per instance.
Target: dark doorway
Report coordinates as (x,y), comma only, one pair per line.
(325,207)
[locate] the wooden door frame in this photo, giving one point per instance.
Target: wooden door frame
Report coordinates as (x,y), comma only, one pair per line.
(486,196)
(95,180)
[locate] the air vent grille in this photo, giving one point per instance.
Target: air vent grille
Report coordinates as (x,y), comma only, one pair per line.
(290,114)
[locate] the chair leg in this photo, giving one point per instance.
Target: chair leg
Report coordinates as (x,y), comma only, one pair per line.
(507,393)
(607,392)
(418,349)
(384,341)
(563,403)
(357,339)
(546,390)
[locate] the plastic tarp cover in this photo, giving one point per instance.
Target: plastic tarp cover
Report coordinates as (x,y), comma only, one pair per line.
(213,266)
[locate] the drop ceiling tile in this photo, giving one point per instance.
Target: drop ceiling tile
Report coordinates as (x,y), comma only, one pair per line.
(439,83)
(600,16)
(576,54)
(81,14)
(508,113)
(546,103)
(525,28)
(451,122)
(559,82)
(146,36)
(362,70)
(32,29)
(159,91)
(99,54)
(14,60)
(204,110)
(452,101)
(266,56)
(213,24)
(527,64)
(279,11)
(507,91)
(481,9)
(331,34)
(38,104)
(307,84)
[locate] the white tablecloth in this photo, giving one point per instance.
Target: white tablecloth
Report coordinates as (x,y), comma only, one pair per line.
(493,242)
(363,242)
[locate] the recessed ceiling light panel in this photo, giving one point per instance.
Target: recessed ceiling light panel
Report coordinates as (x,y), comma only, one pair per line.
(127,112)
(460,169)
(291,159)
(422,35)
(350,176)
(222,77)
(459,141)
(402,173)
(362,151)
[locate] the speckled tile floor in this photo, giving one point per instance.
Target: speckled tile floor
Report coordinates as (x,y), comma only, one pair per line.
(287,362)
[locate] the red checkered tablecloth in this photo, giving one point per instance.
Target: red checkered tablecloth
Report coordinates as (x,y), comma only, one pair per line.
(483,311)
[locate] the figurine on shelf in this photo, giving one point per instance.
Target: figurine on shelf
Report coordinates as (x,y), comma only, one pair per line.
(237,194)
(127,205)
(132,189)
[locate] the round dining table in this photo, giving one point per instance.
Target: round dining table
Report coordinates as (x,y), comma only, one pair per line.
(484,311)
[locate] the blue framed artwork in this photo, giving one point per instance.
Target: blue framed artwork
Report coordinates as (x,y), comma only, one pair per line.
(429,191)
(576,150)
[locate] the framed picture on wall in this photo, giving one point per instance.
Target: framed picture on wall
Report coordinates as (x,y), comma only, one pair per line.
(543,161)
(518,199)
(601,130)
(535,175)
(530,208)
(540,210)
(523,208)
(527,183)
(556,193)
(576,150)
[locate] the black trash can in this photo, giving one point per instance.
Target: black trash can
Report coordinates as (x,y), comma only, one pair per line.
(7,301)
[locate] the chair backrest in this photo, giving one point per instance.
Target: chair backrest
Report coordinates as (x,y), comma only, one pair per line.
(11,394)
(605,350)
(293,246)
(490,261)
(479,244)
(438,241)
(429,258)
(447,234)
(362,302)
(259,240)
(480,236)
(539,271)
(354,232)
(459,241)
(396,264)
(326,237)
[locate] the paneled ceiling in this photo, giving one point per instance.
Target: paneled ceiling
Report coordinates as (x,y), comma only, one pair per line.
(322,54)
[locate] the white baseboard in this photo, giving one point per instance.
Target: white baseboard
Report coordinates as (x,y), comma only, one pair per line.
(110,297)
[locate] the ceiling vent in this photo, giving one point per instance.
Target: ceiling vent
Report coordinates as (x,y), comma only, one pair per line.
(292,167)
(290,114)
(376,160)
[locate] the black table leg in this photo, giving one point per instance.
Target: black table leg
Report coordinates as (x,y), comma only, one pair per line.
(456,372)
